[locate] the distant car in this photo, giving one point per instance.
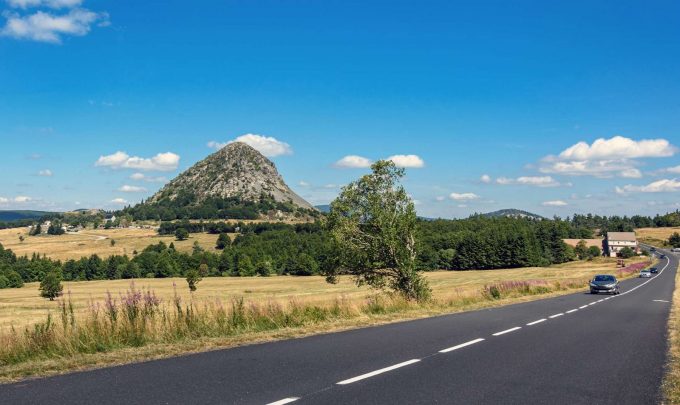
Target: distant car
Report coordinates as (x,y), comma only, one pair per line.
(645,274)
(653,270)
(604,283)
(676,250)
(652,249)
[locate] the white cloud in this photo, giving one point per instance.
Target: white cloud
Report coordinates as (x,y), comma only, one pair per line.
(162,162)
(4,200)
(537,181)
(555,203)
(485,179)
(303,183)
(131,189)
(353,162)
(22,199)
(463,196)
(407,161)
(119,201)
(659,186)
(331,185)
(267,145)
(674,170)
(47,27)
(148,179)
(607,157)
(45,173)
(440,198)
(44,3)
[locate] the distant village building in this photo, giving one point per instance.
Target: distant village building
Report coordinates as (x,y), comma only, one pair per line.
(598,243)
(616,241)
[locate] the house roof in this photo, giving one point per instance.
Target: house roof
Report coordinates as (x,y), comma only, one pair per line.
(622,236)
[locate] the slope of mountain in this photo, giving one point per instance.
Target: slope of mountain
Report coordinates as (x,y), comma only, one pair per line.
(513,213)
(234,182)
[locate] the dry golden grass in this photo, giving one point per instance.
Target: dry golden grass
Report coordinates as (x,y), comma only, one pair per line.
(91,241)
(655,236)
(671,382)
(20,307)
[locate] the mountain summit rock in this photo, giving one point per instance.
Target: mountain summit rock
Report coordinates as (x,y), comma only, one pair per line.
(237,171)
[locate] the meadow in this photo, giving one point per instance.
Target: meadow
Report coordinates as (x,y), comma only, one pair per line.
(655,236)
(96,241)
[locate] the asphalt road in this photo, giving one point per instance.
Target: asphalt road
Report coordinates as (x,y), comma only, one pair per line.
(573,349)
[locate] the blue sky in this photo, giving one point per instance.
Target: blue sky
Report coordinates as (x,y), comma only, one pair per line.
(489,104)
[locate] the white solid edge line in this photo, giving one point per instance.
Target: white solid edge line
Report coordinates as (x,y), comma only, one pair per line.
(536,322)
(462,345)
(571,311)
(556,315)
(661,301)
(284,401)
(376,372)
(503,332)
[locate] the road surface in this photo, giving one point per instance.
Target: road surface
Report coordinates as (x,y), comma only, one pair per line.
(574,349)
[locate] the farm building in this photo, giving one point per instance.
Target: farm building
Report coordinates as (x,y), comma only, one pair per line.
(618,240)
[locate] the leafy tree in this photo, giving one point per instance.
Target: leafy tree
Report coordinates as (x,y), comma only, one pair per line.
(626,253)
(181,234)
(581,250)
(113,242)
(203,270)
(674,240)
(264,268)
(14,279)
(245,267)
(223,241)
(37,230)
(374,222)
(594,251)
(193,278)
(55,228)
(50,286)
(21,238)
(4,282)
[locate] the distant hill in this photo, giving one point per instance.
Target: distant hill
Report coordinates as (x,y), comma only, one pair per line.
(325,208)
(513,213)
(8,216)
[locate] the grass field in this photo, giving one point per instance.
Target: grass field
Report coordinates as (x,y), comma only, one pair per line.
(90,241)
(20,307)
(655,236)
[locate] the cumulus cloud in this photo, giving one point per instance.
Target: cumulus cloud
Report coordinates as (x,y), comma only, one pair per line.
(440,198)
(555,203)
(4,200)
(44,3)
(162,162)
(119,201)
(486,179)
(407,161)
(674,170)
(45,173)
(537,181)
(659,186)
(463,196)
(22,199)
(267,145)
(149,179)
(617,156)
(353,162)
(303,183)
(48,27)
(131,189)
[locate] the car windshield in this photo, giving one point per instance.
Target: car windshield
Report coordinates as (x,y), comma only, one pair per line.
(605,278)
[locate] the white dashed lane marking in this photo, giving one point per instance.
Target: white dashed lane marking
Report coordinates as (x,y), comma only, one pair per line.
(462,345)
(377,372)
(536,322)
(507,331)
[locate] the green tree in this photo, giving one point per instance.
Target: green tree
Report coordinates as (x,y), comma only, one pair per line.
(4,282)
(181,234)
(193,278)
(581,250)
(245,267)
(264,268)
(15,280)
(50,286)
(674,240)
(626,253)
(373,222)
(113,242)
(222,241)
(594,251)
(37,230)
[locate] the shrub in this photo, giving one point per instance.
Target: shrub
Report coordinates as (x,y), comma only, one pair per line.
(4,282)
(15,280)
(181,234)
(50,286)
(193,278)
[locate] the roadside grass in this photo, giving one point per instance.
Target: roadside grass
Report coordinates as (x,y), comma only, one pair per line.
(671,381)
(141,324)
